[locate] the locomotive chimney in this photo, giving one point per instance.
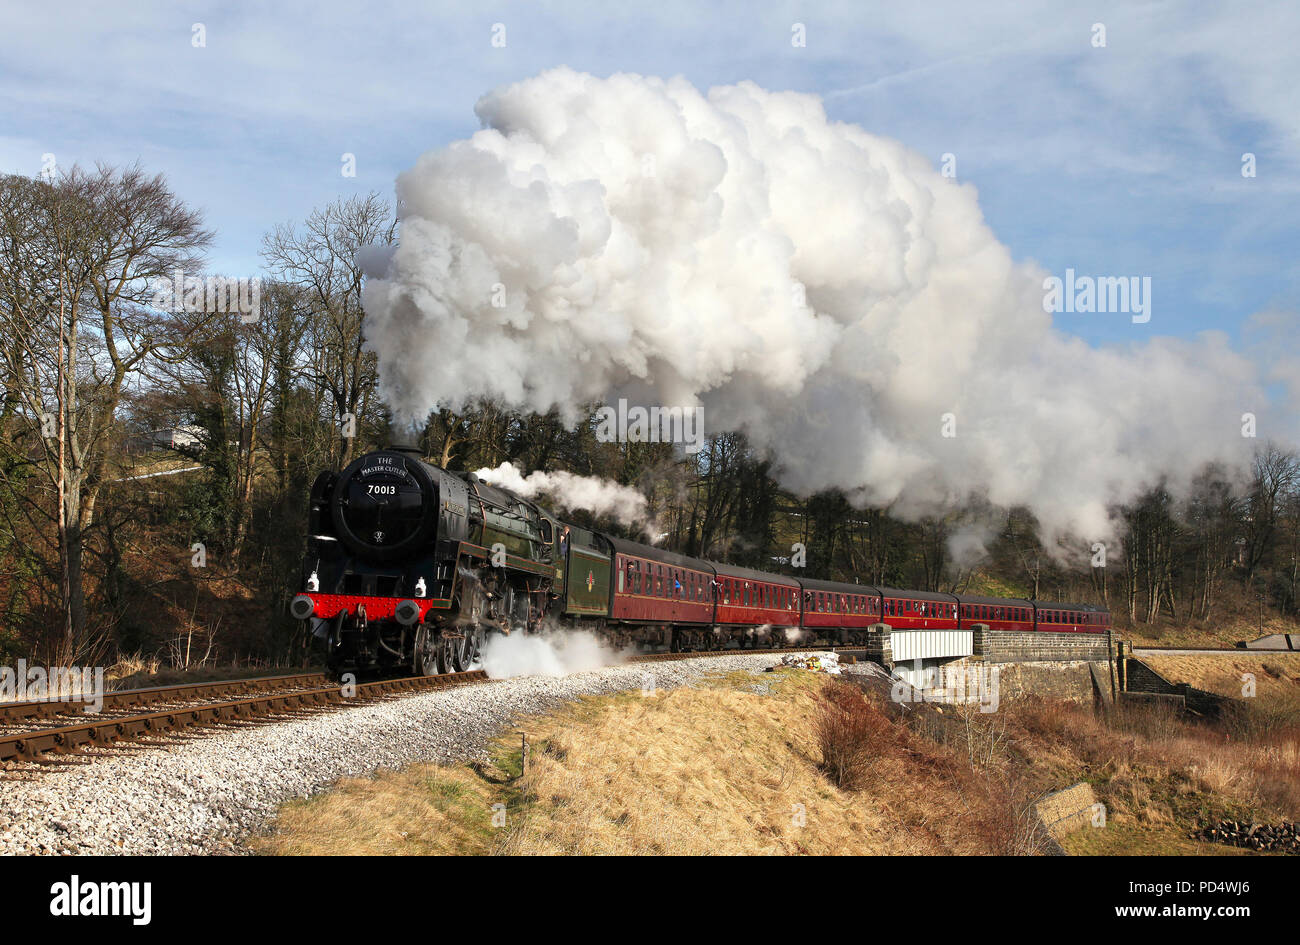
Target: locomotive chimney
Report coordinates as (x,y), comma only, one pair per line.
(405,440)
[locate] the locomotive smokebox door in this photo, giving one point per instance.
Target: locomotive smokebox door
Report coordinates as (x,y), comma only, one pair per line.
(387,505)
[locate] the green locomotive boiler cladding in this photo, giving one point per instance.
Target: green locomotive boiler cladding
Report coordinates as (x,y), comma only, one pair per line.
(498,518)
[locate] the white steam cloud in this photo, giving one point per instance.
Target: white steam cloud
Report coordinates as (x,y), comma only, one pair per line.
(571,491)
(546,654)
(822,288)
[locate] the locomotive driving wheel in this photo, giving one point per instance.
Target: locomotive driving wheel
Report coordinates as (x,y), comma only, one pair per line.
(457,651)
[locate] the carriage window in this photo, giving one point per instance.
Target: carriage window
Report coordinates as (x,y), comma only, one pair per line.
(620,580)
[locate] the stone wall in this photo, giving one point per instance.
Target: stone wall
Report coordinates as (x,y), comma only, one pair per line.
(1070,680)
(1141,682)
(1015,646)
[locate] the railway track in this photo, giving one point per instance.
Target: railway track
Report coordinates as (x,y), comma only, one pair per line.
(63,739)
(11,712)
(204,708)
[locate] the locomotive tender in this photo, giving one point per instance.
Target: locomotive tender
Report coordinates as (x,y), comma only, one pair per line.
(410,566)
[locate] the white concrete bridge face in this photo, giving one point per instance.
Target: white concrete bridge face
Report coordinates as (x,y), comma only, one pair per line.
(931,644)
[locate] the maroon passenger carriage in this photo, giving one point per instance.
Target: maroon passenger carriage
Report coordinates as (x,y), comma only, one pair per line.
(658,597)
(996,613)
(653,591)
(1070,618)
(840,612)
(754,607)
(918,610)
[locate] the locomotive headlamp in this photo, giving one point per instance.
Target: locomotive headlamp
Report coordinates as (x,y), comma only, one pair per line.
(302,607)
(407,612)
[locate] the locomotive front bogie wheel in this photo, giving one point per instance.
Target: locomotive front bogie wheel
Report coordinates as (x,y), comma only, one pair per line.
(426,651)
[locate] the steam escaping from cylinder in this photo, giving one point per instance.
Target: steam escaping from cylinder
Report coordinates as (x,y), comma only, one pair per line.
(550,653)
(819,287)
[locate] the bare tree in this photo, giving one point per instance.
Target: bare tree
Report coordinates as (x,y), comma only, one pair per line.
(320,256)
(1276,475)
(79,259)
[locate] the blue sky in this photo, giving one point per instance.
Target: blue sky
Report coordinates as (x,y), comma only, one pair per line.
(1122,160)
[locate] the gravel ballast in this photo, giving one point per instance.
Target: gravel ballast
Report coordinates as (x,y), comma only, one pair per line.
(203,794)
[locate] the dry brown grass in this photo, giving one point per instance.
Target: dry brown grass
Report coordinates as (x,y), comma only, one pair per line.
(1277,675)
(732,768)
(851,733)
(1157,772)
(423,811)
(696,771)
(741,767)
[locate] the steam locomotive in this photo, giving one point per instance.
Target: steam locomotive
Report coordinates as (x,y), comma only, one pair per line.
(410,566)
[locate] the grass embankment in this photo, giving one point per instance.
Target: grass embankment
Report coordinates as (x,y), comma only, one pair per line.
(1276,676)
(739,767)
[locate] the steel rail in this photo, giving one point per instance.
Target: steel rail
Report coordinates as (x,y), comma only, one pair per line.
(70,738)
(42,708)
